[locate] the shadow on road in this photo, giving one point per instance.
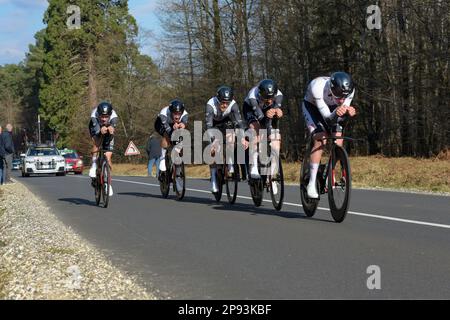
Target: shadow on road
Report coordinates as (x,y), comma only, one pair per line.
(79,201)
(243,207)
(224,206)
(138,194)
(40,175)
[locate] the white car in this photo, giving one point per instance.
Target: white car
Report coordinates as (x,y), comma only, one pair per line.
(43,159)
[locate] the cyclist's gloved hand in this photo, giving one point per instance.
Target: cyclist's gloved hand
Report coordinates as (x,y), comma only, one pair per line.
(270,113)
(244,143)
(351,111)
(215,145)
(341,110)
(278,112)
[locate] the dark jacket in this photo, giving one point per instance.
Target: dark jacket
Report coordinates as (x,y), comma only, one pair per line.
(153,147)
(8,143)
(2,148)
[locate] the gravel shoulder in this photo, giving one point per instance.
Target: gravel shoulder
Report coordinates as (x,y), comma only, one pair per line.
(41,258)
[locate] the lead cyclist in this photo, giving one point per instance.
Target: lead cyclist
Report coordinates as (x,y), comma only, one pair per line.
(327,101)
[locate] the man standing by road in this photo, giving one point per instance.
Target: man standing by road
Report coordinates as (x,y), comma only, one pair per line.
(154,153)
(9,153)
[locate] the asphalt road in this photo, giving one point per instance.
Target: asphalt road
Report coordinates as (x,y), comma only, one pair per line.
(198,249)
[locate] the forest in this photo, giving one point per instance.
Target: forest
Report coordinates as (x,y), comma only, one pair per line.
(401,68)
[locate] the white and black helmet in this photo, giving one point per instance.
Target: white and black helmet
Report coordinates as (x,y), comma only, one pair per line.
(341,84)
(176,105)
(104,108)
(268,89)
(225,94)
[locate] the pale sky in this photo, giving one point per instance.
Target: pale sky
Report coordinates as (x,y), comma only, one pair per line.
(21,19)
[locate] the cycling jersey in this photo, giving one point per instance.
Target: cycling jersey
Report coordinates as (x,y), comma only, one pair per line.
(95,126)
(214,114)
(254,108)
(228,119)
(319,105)
(164,122)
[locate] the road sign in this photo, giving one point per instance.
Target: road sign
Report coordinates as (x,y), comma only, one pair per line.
(132,150)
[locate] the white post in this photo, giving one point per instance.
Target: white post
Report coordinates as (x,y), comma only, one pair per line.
(39,128)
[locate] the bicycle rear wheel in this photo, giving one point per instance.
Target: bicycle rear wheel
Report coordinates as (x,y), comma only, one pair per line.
(276,187)
(339,184)
(232,184)
(179,181)
(106,183)
(309,205)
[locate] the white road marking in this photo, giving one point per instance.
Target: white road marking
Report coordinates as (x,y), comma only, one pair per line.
(423,223)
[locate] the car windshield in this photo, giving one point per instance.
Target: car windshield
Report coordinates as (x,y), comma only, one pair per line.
(73,155)
(42,152)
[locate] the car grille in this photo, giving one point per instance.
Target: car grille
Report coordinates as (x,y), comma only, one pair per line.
(45,165)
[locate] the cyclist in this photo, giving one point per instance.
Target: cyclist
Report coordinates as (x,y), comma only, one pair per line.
(171,118)
(222,112)
(103,122)
(326,101)
(261,105)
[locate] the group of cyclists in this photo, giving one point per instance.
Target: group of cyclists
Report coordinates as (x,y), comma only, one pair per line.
(325,105)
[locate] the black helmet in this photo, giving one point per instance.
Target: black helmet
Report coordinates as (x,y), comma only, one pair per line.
(225,94)
(268,89)
(176,106)
(341,84)
(104,108)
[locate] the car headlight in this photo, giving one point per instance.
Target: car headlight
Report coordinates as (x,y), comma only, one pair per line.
(29,161)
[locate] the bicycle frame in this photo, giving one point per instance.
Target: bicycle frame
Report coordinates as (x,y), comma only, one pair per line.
(99,181)
(170,175)
(326,179)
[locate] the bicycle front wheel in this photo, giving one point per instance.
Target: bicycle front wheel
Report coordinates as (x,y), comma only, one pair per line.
(98,190)
(164,180)
(232,184)
(106,183)
(276,187)
(309,205)
(339,184)
(256,190)
(179,181)
(219,179)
